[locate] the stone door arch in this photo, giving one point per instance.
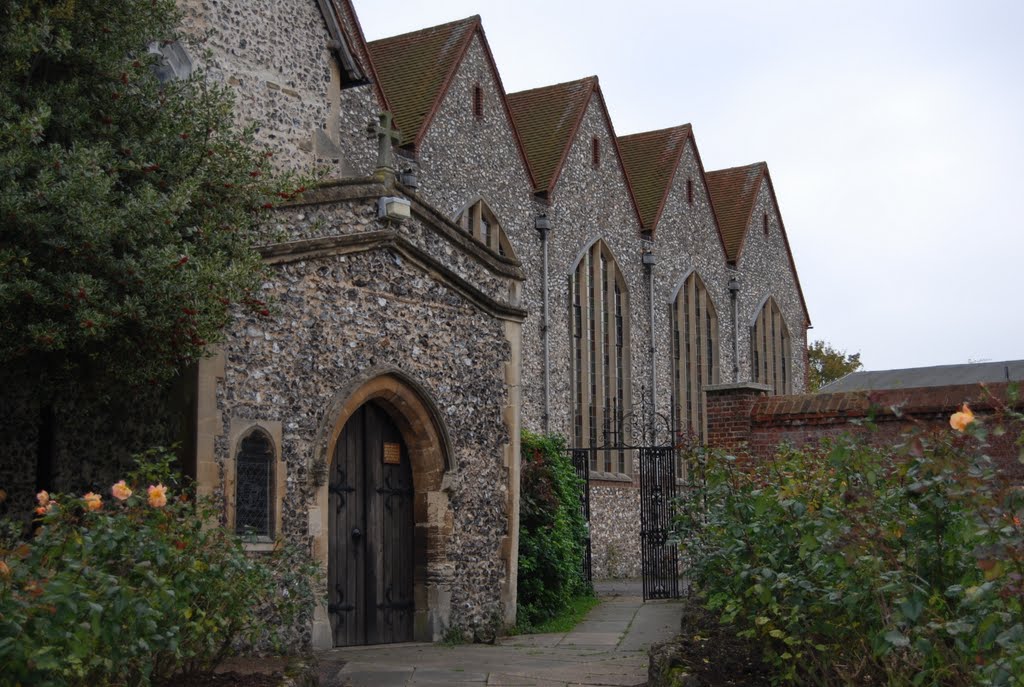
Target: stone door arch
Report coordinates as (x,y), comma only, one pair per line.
(424,437)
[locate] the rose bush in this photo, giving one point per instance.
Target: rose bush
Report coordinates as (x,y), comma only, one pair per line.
(138,588)
(856,565)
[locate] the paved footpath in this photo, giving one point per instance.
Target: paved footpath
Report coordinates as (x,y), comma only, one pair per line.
(608,648)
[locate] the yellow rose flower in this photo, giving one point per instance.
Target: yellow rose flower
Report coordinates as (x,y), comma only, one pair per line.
(157,495)
(962,418)
(43,498)
(120,491)
(93,501)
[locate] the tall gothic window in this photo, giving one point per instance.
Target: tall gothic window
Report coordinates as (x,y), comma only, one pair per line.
(254,486)
(600,357)
(694,355)
(479,222)
(771,356)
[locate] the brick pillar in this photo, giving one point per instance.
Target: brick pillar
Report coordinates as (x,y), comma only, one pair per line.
(729,413)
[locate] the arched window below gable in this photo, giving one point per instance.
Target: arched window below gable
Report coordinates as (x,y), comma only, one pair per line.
(482,224)
(694,356)
(600,358)
(254,486)
(771,357)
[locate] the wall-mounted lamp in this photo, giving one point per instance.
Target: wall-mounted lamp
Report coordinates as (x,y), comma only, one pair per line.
(648,257)
(541,223)
(734,286)
(392,208)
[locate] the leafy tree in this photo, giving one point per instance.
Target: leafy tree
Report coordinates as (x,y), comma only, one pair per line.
(827,364)
(127,205)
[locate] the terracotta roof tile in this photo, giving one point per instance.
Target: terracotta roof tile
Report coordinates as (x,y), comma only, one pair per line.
(546,119)
(651,159)
(415,68)
(733,194)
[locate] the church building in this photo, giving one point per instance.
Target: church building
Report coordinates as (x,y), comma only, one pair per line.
(475,263)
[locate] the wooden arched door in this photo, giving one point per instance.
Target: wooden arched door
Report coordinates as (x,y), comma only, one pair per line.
(370,568)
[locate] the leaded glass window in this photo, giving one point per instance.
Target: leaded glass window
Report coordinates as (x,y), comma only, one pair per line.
(254,491)
(694,356)
(771,355)
(600,358)
(481,223)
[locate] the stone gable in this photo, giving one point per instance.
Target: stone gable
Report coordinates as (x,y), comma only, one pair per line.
(766,271)
(590,204)
(687,241)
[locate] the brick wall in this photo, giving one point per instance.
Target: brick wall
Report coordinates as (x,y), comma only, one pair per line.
(743,418)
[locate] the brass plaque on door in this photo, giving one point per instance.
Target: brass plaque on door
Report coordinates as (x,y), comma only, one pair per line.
(392,453)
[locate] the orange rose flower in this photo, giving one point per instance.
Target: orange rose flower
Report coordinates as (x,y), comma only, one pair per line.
(120,491)
(157,495)
(962,418)
(5,571)
(93,501)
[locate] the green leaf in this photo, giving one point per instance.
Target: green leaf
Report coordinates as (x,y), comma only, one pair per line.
(897,638)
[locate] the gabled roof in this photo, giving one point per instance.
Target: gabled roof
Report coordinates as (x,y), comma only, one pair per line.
(415,69)
(734,194)
(938,375)
(651,159)
(547,119)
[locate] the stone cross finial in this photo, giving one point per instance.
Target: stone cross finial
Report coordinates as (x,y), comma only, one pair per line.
(387,136)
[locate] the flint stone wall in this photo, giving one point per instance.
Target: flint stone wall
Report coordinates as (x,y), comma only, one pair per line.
(90,441)
(339,317)
(615,530)
(587,204)
(463,159)
(765,267)
(274,56)
(687,240)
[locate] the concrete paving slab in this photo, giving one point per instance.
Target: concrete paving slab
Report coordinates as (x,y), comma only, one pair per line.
(607,649)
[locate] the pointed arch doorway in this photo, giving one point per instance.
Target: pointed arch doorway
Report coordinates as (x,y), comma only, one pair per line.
(370,569)
(382,582)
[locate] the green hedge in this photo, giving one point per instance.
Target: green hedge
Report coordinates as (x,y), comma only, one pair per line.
(552,531)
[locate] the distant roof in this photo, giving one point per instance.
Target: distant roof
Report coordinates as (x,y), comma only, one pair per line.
(939,375)
(651,159)
(547,119)
(734,193)
(414,70)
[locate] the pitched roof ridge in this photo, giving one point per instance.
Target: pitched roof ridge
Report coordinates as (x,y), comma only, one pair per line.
(762,163)
(555,85)
(428,29)
(654,132)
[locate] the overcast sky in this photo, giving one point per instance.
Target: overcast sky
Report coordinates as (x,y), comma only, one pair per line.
(893,132)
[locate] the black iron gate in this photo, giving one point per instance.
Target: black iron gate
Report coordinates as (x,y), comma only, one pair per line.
(581,463)
(659,550)
(656,456)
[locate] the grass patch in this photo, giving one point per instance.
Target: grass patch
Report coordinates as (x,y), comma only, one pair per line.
(573,614)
